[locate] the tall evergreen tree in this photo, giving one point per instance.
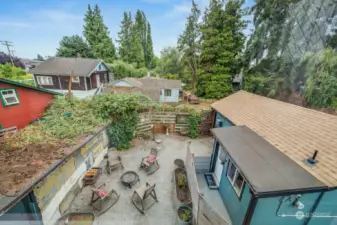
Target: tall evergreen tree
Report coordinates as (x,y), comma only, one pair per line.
(97,35)
(74,46)
(89,31)
(222,44)
(189,43)
(124,37)
(149,62)
(136,48)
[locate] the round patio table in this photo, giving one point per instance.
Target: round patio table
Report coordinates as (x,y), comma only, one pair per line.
(129,178)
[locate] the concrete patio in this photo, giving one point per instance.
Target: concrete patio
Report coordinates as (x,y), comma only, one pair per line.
(163,212)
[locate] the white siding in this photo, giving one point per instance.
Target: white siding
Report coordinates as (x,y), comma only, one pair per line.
(123,83)
(173,98)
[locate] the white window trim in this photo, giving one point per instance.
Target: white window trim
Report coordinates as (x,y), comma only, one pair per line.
(167,95)
(75,79)
(9,96)
(236,174)
(44,80)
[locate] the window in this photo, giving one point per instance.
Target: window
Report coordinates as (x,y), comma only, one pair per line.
(44,80)
(9,97)
(235,178)
(75,80)
(168,92)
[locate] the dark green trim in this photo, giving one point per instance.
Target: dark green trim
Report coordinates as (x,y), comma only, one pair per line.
(0,126)
(3,100)
(28,86)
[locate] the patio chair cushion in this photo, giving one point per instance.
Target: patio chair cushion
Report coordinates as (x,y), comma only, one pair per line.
(141,191)
(101,193)
(151,158)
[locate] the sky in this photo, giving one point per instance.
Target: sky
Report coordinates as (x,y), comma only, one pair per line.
(36,26)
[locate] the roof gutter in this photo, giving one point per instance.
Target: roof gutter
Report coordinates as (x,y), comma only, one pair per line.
(291,192)
(26,190)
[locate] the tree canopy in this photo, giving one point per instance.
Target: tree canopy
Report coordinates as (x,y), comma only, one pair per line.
(135,40)
(5,58)
(189,43)
(74,46)
(97,33)
(222,44)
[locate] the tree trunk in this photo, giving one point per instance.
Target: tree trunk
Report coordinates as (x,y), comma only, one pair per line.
(194,81)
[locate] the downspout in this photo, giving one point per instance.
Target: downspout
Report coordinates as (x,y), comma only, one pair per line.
(58,77)
(250,210)
(85,84)
(314,207)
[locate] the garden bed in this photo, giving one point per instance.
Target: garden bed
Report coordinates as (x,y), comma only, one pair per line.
(21,166)
(182,190)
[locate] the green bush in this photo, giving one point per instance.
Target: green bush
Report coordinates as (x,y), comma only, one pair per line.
(193,122)
(121,112)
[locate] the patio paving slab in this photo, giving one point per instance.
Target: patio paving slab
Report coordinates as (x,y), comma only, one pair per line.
(161,213)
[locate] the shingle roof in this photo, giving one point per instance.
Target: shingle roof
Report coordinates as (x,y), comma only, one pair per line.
(153,83)
(295,131)
(28,86)
(82,67)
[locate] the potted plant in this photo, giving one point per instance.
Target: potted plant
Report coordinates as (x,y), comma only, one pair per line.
(184,215)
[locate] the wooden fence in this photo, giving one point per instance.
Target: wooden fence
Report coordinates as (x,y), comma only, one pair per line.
(208,216)
(203,212)
(177,121)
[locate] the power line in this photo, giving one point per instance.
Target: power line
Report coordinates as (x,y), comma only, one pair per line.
(8,44)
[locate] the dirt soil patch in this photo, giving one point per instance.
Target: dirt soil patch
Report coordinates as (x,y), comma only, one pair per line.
(21,166)
(183,191)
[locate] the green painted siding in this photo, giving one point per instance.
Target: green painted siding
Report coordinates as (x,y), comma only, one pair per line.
(236,207)
(221,121)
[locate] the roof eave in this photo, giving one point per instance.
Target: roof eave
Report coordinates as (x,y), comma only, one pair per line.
(28,86)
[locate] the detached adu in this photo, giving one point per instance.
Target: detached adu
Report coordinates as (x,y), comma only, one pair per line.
(274,163)
(89,75)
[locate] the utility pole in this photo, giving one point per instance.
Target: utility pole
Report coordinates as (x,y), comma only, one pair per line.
(8,44)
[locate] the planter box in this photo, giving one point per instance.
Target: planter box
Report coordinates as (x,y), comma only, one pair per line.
(179,192)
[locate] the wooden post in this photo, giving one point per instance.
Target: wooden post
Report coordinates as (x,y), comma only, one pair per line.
(69,84)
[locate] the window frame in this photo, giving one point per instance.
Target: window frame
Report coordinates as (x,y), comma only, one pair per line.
(44,80)
(3,99)
(237,172)
(167,90)
(75,80)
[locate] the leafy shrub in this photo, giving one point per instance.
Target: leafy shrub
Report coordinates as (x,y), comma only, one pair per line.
(10,72)
(121,112)
(193,121)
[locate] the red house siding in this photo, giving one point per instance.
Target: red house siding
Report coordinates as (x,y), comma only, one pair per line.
(32,106)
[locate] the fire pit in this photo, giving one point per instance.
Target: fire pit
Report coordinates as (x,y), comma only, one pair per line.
(129,178)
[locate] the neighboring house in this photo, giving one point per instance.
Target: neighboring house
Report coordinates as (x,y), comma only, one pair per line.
(275,163)
(237,82)
(162,90)
(30,63)
(89,75)
(21,103)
